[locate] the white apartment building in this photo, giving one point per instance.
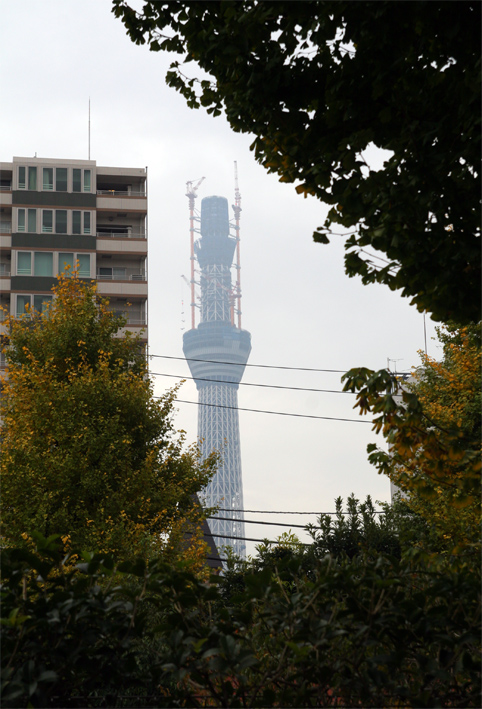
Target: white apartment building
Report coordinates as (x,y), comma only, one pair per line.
(55,213)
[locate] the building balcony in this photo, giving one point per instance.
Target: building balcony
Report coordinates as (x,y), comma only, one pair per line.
(130,274)
(5,195)
(125,234)
(122,289)
(110,244)
(123,192)
(122,202)
(5,227)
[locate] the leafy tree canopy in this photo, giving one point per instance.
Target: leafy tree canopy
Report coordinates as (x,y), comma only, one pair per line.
(87,453)
(433,428)
(317,83)
(376,633)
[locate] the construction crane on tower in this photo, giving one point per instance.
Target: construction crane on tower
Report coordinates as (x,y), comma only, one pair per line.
(191,195)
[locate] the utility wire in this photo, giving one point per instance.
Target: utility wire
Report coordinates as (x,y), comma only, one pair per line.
(263,411)
(248,384)
(281,512)
(250,539)
(240,364)
(254,521)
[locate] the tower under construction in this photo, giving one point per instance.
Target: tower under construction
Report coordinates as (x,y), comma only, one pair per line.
(217,351)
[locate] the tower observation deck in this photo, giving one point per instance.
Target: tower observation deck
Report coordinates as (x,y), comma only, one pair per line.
(217,352)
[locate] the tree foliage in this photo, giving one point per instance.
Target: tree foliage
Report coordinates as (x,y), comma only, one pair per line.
(87,452)
(362,529)
(371,632)
(449,392)
(318,83)
(433,428)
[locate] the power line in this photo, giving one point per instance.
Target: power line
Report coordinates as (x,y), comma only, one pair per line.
(280,524)
(281,512)
(254,521)
(239,364)
(251,539)
(277,413)
(249,384)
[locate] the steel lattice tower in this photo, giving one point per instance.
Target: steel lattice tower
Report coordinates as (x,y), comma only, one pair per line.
(226,349)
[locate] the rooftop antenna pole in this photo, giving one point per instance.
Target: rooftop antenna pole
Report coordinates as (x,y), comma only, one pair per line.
(89,127)
(237,217)
(425,334)
(191,195)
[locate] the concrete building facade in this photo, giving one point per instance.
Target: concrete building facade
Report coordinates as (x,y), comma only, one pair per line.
(55,213)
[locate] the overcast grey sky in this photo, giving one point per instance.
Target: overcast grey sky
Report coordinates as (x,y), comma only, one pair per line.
(301,309)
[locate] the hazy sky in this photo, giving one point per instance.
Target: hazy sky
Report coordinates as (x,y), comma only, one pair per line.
(301,309)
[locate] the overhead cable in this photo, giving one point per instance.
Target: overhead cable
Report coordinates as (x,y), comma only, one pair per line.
(249,384)
(255,521)
(239,364)
(250,539)
(276,413)
(278,524)
(281,512)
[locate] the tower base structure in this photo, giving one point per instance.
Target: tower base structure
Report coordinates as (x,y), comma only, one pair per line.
(217,354)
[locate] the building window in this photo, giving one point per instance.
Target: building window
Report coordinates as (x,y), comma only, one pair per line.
(41,302)
(76,222)
(23,305)
(32,178)
(31,183)
(86,180)
(47,221)
(48,178)
(24,263)
(79,184)
(60,221)
(61,179)
(32,220)
(112,273)
(29,224)
(43,263)
(21,220)
(76,179)
(21,178)
(66,260)
(86,222)
(81,261)
(84,265)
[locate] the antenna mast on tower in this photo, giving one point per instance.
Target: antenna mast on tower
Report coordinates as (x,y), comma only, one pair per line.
(237,218)
(191,195)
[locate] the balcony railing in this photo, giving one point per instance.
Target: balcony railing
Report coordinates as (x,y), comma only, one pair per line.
(122,193)
(132,318)
(121,235)
(128,276)
(6,188)
(5,227)
(136,321)
(4,273)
